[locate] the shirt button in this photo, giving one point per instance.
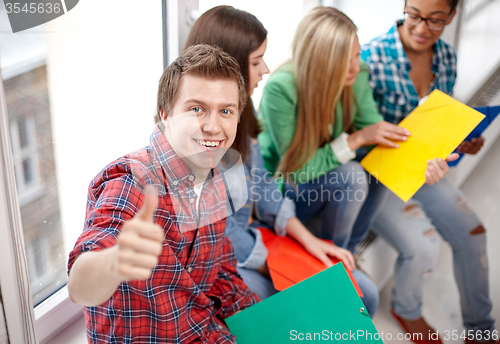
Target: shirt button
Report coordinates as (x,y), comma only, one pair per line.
(176,182)
(220,327)
(191,178)
(189,269)
(191,200)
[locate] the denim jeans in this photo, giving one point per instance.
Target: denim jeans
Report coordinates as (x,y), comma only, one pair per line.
(411,229)
(263,206)
(264,288)
(347,199)
(258,283)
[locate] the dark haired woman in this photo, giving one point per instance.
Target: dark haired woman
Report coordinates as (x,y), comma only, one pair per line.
(242,35)
(406,64)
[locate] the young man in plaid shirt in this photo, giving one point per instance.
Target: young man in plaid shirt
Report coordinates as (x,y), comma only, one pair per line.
(152,264)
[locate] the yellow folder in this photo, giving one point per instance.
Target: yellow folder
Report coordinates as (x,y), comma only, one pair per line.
(437,127)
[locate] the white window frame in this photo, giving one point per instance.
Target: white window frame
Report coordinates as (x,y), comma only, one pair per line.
(16,295)
(57,312)
(25,325)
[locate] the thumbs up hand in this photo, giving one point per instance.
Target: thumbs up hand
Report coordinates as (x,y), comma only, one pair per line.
(140,241)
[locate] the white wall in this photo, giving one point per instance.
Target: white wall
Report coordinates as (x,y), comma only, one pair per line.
(372,18)
(478,50)
(280,18)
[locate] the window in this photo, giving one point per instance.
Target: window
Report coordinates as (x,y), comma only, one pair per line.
(28,109)
(79,92)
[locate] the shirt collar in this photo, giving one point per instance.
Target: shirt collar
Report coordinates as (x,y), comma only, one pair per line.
(397,50)
(436,56)
(174,168)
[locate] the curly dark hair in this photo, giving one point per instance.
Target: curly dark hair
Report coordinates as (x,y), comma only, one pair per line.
(453,3)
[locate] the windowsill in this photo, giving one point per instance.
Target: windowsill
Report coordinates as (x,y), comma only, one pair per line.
(55,314)
(75,333)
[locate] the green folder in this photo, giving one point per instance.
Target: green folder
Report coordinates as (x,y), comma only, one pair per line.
(324,307)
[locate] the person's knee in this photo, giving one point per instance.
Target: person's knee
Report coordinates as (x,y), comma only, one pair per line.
(370,292)
(478,230)
(371,298)
(412,210)
(429,256)
(475,245)
(424,253)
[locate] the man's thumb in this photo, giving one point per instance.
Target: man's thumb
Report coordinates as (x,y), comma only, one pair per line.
(150,203)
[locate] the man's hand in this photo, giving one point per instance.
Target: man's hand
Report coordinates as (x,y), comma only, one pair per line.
(471,147)
(438,168)
(96,275)
(140,241)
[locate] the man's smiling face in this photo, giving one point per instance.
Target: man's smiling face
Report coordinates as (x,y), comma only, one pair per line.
(203,121)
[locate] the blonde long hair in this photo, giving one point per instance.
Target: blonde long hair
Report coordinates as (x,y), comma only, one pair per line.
(321,52)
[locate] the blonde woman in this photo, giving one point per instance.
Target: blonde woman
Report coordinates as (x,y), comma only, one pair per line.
(317,110)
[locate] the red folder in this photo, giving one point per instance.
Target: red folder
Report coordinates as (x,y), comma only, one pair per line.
(289,263)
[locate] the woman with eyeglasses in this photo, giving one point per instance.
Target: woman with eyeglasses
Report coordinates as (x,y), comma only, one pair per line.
(406,64)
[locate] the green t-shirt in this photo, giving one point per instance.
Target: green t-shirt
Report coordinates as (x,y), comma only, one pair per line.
(278,114)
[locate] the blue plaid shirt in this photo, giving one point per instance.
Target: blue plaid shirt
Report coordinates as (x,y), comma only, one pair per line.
(389,67)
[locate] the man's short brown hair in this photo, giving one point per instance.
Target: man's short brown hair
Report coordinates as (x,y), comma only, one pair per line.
(200,60)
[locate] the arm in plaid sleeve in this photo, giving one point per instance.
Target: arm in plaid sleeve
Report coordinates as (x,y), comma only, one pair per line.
(95,276)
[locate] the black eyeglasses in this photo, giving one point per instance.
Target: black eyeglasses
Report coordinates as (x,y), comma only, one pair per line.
(433,24)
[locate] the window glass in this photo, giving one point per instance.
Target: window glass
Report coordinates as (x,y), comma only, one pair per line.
(27,97)
(81,92)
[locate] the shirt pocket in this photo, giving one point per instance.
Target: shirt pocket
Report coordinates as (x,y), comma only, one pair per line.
(395,106)
(395,98)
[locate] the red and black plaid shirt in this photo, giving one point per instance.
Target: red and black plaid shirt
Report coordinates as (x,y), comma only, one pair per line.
(195,284)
